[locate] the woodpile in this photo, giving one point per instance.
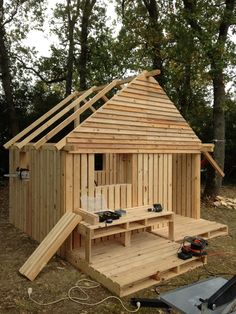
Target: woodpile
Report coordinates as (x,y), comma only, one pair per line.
(225,202)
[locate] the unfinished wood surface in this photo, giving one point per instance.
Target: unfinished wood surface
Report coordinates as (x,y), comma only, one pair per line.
(52,120)
(140,112)
(115,195)
(125,270)
(186,185)
(36,204)
(214,164)
(109,174)
(152,179)
(136,219)
(138,109)
(41,119)
(185,226)
(50,245)
(88,217)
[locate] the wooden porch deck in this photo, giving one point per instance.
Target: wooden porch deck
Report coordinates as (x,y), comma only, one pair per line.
(185,226)
(125,270)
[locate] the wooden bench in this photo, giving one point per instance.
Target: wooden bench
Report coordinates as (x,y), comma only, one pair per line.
(135,219)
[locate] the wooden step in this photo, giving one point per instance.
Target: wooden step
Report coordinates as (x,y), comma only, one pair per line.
(49,246)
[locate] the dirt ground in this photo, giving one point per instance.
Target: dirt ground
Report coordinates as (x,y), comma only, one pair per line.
(58,276)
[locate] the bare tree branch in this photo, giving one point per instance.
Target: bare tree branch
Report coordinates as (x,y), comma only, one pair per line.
(14,12)
(55,80)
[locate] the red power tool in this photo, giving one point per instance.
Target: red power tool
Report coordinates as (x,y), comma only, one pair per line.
(192,246)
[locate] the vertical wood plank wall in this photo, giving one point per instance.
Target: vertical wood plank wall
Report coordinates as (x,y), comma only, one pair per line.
(152,179)
(59,179)
(83,181)
(186,185)
(36,205)
(117,169)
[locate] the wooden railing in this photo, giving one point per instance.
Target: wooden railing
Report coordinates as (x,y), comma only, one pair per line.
(116,195)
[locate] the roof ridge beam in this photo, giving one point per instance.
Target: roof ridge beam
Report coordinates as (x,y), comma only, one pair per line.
(151,73)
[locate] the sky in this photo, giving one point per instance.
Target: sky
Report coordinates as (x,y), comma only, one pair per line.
(42,40)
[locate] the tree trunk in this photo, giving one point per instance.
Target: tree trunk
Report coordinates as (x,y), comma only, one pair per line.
(70,58)
(214,181)
(83,58)
(7,81)
(215,53)
(84,50)
(156,40)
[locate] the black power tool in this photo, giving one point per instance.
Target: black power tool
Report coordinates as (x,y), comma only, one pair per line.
(192,246)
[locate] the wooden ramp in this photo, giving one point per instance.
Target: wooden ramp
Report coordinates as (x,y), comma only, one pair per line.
(185,226)
(125,270)
(49,246)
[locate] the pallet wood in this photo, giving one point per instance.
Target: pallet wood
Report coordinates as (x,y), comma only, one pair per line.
(125,270)
(186,184)
(136,219)
(150,155)
(49,245)
(40,120)
(214,164)
(185,226)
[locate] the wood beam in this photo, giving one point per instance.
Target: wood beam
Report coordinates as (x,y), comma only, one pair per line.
(87,105)
(214,164)
(55,118)
(41,119)
(152,73)
(207,147)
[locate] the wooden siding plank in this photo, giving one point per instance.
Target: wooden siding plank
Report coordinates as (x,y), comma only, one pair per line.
(91,175)
(196,186)
(140,179)
(145,179)
(69,182)
(155,178)
(161,174)
(188,188)
(89,103)
(84,175)
(183,185)
(135,179)
(76,183)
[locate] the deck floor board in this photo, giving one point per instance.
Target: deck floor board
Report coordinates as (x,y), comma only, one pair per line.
(132,268)
(185,226)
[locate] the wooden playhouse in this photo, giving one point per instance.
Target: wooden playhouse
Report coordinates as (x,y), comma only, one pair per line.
(134,149)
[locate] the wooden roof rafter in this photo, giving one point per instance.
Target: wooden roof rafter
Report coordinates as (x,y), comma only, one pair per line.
(72,101)
(139,118)
(55,118)
(41,119)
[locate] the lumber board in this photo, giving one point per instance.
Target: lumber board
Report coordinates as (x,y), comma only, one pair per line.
(166,129)
(54,119)
(40,120)
(158,150)
(152,73)
(127,269)
(88,104)
(186,226)
(50,245)
(214,164)
(206,147)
